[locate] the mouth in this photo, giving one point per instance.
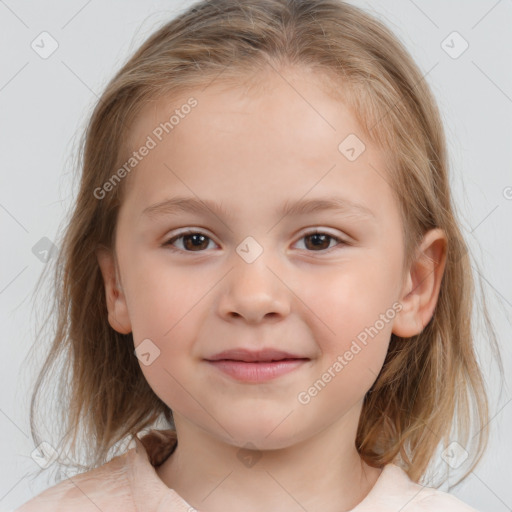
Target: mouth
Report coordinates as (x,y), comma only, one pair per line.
(256,366)
(252,356)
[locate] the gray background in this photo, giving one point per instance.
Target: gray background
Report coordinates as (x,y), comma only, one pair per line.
(45,103)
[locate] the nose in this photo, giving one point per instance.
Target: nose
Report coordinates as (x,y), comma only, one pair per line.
(254,292)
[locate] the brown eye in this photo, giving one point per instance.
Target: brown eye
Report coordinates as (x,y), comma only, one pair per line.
(318,241)
(192,241)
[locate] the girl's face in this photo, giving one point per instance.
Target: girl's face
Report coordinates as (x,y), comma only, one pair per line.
(252,275)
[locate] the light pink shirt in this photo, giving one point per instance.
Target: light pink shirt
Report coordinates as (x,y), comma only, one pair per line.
(129,483)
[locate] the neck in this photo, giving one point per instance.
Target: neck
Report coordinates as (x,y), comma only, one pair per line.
(323,472)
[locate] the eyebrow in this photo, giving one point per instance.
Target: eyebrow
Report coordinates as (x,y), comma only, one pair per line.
(184,204)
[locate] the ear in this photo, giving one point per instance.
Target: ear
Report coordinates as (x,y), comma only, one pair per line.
(422,284)
(118,316)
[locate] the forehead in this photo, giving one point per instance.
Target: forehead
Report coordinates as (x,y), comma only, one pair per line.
(293,109)
(279,139)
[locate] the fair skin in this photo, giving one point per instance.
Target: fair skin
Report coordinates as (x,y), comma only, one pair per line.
(252,152)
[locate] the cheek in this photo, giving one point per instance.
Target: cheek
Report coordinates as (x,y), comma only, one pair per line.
(166,304)
(353,292)
(353,311)
(160,296)
(168,321)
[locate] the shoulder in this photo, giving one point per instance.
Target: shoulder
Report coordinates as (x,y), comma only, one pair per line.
(127,483)
(104,488)
(394,490)
(439,501)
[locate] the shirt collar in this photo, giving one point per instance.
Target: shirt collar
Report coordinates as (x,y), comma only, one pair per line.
(392,490)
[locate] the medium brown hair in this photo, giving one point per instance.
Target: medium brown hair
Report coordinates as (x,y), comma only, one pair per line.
(430,389)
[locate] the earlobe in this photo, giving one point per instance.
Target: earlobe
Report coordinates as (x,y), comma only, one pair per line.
(118,316)
(421,289)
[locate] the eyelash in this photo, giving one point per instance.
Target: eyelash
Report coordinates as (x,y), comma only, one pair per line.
(169,242)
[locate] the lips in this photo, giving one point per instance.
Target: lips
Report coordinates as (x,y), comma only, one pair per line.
(251,356)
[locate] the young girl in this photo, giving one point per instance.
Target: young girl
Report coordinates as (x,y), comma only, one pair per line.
(264,255)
